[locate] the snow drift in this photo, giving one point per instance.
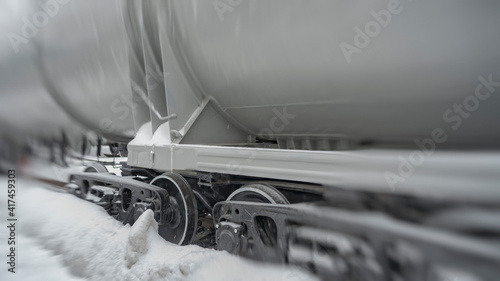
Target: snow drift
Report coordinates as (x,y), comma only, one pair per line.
(83,241)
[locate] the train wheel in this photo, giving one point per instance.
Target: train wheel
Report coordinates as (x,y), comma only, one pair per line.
(260,193)
(85,187)
(182,224)
(96,168)
(228,236)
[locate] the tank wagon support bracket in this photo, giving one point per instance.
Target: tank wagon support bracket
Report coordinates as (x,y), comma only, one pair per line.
(208,124)
(346,245)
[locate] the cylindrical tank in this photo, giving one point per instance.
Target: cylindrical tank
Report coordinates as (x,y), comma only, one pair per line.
(26,109)
(83,53)
(64,71)
(380,71)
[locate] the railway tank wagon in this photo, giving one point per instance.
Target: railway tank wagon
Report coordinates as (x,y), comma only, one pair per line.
(249,127)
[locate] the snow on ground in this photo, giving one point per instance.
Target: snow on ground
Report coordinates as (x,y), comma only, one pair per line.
(38,263)
(61,237)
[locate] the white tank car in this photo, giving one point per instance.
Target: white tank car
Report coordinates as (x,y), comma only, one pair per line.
(356,139)
(286,76)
